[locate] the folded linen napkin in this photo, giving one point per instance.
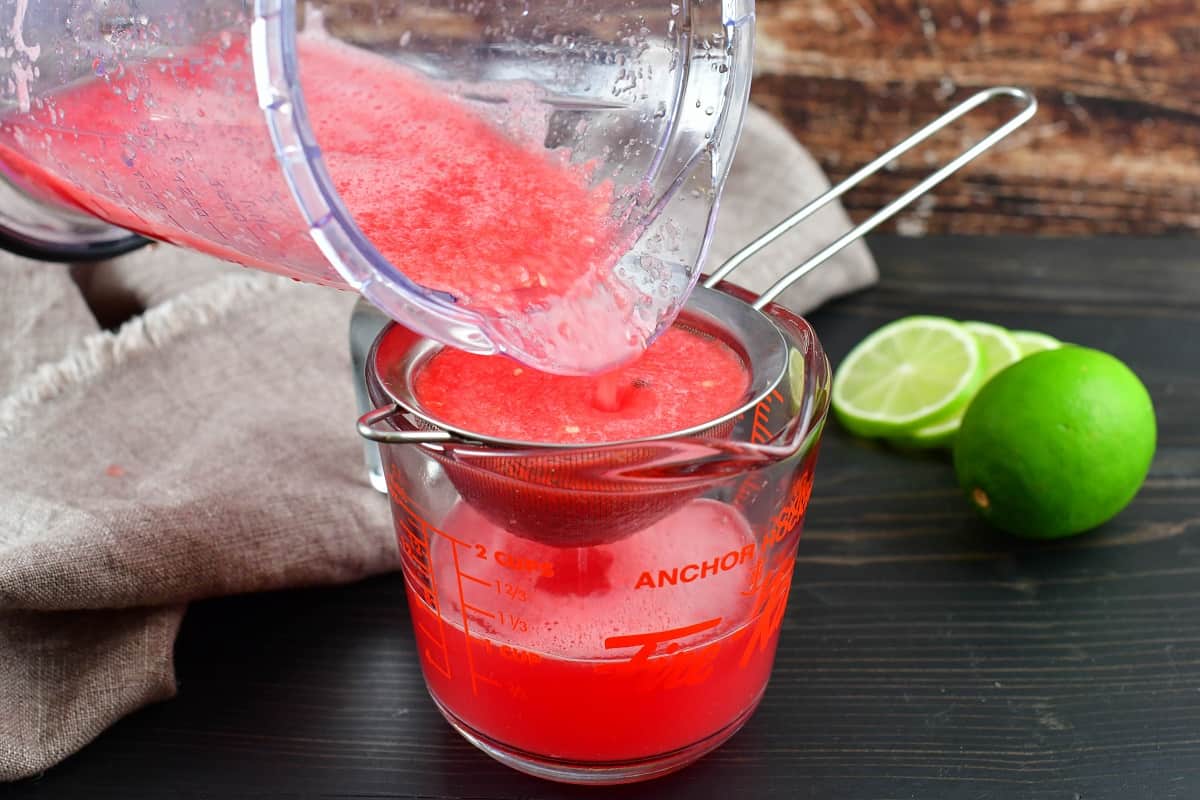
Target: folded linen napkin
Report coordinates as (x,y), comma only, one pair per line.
(207,447)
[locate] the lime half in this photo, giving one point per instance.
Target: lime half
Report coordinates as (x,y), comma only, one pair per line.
(1057,444)
(1000,349)
(907,374)
(1032,342)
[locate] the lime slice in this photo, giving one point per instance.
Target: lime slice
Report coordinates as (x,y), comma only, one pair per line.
(935,434)
(906,374)
(1032,342)
(1000,349)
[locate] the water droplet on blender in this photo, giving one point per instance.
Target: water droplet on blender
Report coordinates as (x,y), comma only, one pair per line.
(98,66)
(406,37)
(709,110)
(675,9)
(128,154)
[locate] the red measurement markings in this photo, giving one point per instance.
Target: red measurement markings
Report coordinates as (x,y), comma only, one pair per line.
(761,432)
(769,608)
(791,515)
(647,643)
(415,540)
(414,537)
(476,676)
(661,662)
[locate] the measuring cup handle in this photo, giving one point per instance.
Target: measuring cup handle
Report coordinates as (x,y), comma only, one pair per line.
(1029,108)
(367,429)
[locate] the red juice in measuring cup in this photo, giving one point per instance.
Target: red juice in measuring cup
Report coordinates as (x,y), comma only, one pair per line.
(654,648)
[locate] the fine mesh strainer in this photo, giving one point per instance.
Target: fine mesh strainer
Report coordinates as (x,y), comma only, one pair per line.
(586,494)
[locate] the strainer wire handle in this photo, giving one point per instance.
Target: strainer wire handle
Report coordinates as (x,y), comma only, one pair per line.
(1029,103)
(367,429)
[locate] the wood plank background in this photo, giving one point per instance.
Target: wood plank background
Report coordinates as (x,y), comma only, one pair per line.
(1115,148)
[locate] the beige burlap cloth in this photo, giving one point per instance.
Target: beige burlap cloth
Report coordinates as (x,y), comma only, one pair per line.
(207,447)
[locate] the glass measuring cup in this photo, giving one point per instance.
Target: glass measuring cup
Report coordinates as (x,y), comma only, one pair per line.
(438,157)
(629,658)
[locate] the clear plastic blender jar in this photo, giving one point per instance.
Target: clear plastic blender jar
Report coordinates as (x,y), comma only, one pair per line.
(533,177)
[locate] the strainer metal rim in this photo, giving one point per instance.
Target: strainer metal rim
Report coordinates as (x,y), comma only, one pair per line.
(767,341)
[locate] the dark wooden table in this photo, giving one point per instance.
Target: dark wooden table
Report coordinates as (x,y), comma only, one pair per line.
(923,656)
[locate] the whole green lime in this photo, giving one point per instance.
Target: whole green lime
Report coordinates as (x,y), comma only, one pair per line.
(1056,444)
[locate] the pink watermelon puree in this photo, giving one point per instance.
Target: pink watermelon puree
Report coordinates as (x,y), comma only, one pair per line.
(177,149)
(464,208)
(681,380)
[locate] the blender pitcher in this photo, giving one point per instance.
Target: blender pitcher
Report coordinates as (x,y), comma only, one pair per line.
(501,176)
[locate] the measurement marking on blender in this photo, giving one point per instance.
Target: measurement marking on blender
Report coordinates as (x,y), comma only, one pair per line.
(480,581)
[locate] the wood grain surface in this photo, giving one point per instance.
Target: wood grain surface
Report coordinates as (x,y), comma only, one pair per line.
(1115,148)
(1116,145)
(922,655)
